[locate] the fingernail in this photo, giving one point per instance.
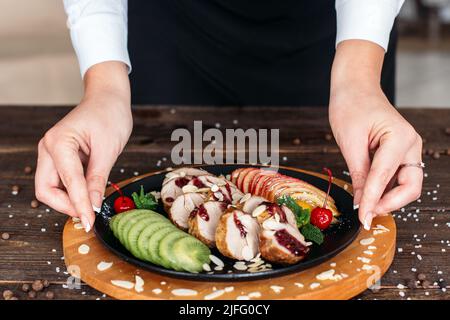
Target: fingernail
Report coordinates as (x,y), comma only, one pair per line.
(96,200)
(355,206)
(368,221)
(86,224)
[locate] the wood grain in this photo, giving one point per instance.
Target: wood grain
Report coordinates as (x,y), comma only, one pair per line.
(26,255)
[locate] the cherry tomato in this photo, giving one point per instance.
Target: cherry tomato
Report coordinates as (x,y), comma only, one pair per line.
(321,217)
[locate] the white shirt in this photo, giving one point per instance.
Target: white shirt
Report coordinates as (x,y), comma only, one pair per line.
(99,31)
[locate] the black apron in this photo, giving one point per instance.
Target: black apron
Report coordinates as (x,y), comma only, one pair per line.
(236,52)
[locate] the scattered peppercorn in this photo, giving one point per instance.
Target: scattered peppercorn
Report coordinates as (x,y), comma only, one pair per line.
(296,141)
(426,284)
(429,152)
(7,294)
(436,155)
(442,284)
(32,294)
(5,235)
(28,170)
(34,204)
(37,285)
(46,283)
(49,295)
(328,136)
(421,276)
(447,131)
(15,189)
(25,287)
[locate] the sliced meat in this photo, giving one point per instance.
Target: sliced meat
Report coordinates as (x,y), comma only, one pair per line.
(184,172)
(237,235)
(182,208)
(251,203)
(282,243)
(204,219)
(269,210)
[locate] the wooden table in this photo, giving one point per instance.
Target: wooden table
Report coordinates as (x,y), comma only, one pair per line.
(34,248)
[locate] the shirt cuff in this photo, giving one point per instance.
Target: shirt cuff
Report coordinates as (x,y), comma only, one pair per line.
(99,38)
(370,20)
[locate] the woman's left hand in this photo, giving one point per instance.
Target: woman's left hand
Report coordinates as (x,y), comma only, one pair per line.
(374,138)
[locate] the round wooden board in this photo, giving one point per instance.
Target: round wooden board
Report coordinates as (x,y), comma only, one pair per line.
(353,263)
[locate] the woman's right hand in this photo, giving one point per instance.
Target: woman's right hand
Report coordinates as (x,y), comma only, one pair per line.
(76,155)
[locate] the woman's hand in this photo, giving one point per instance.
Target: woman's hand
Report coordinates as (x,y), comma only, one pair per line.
(77,154)
(364,123)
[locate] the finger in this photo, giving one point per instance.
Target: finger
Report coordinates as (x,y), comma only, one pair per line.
(384,165)
(47,182)
(410,185)
(99,167)
(70,170)
(358,161)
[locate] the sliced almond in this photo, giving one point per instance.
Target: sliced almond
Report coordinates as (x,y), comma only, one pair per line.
(214,188)
(245,197)
(258,210)
(189,188)
(139,284)
(216,261)
(123,284)
(102,266)
(184,292)
(271,224)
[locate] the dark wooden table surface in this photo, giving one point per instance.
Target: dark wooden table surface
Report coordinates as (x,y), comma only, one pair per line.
(34,250)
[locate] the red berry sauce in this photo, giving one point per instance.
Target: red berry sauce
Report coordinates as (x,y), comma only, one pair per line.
(181,182)
(285,239)
(239,225)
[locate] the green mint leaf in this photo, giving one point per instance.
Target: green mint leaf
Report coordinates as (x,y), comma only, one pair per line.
(302,215)
(312,233)
(144,201)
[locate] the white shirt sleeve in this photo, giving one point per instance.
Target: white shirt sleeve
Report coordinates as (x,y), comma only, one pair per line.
(370,20)
(99,31)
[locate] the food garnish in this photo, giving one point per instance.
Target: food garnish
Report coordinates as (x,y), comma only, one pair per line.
(144,200)
(321,217)
(122,203)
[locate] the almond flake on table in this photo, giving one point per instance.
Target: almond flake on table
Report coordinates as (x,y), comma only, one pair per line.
(299,285)
(314,285)
(157,291)
(184,292)
(367,267)
(366,241)
(242,298)
(214,294)
(276,289)
(78,226)
(102,266)
(368,252)
(83,249)
(255,294)
(139,284)
(123,284)
(364,259)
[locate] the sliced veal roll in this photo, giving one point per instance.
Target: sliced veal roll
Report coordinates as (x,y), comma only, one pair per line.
(175,181)
(237,235)
(183,206)
(204,219)
(280,242)
(249,202)
(267,210)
